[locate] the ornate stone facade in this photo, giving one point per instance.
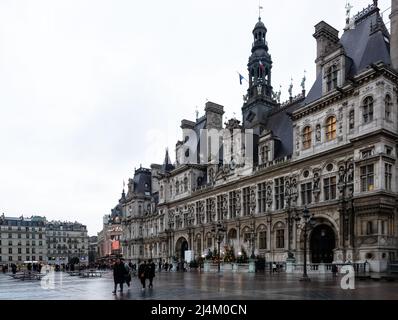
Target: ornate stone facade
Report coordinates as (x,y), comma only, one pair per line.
(333,151)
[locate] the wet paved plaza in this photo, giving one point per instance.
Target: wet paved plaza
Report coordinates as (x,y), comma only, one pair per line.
(197,286)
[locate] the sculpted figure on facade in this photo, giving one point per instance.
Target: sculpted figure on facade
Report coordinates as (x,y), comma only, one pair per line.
(294,191)
(252,200)
(225,206)
(316,185)
(318,133)
(269,195)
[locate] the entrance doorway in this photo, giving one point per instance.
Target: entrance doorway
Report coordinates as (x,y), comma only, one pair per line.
(181,247)
(322,243)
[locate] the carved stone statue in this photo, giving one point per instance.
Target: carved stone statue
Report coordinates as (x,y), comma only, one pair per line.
(269,196)
(316,181)
(341,175)
(225,206)
(252,201)
(318,133)
(350,175)
(238,202)
(294,191)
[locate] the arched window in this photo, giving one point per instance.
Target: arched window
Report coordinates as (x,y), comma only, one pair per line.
(367,110)
(331,78)
(307,137)
(388,104)
(331,128)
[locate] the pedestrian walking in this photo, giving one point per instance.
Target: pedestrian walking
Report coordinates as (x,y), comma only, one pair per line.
(142,273)
(274,267)
(128,273)
(151,272)
(334,270)
(119,272)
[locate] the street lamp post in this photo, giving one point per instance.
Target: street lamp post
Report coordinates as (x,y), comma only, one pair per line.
(308,220)
(218,230)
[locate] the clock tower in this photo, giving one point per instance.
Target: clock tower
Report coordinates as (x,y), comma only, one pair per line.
(259,100)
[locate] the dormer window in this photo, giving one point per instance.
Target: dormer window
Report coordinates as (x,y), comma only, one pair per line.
(331,78)
(367,110)
(307,137)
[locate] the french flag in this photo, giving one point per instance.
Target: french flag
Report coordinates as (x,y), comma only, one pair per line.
(262,66)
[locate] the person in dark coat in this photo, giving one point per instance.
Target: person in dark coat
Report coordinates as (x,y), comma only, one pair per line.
(119,273)
(142,273)
(334,270)
(151,272)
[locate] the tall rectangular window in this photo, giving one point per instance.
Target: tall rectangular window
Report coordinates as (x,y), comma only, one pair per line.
(280,239)
(306,193)
(262,197)
(279,193)
(208,211)
(246,201)
(367,178)
(262,240)
(219,208)
(388,176)
(329,188)
(232,204)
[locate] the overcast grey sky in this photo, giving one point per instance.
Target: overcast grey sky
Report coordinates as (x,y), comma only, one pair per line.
(90,89)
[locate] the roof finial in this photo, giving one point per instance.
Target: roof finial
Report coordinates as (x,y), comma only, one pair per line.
(348,8)
(291,89)
(197,113)
(259,10)
(376,3)
(303,81)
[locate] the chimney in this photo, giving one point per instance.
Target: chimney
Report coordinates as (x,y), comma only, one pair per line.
(394,34)
(327,39)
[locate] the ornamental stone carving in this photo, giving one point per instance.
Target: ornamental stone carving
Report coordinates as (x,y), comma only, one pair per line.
(252,200)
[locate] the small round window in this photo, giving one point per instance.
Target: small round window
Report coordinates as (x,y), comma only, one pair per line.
(329,167)
(306,174)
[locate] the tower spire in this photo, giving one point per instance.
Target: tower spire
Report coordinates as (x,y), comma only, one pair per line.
(259,10)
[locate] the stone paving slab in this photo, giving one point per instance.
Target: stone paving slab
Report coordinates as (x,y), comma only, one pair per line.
(197,286)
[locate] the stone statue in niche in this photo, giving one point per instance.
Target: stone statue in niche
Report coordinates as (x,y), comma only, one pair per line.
(318,133)
(238,203)
(350,174)
(341,175)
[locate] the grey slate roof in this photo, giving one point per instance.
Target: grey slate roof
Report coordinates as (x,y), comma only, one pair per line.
(142,181)
(362,46)
(282,128)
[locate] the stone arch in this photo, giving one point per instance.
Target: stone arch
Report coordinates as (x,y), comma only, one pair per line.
(180,247)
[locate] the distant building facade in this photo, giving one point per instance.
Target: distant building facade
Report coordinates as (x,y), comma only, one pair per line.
(109,238)
(67,242)
(35,239)
(333,151)
(22,240)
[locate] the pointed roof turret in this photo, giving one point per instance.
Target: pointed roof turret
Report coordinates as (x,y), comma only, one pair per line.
(167,165)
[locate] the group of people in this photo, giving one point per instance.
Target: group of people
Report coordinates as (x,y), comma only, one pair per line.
(123,272)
